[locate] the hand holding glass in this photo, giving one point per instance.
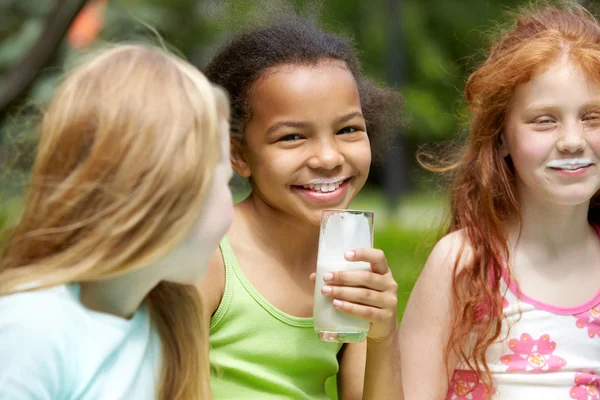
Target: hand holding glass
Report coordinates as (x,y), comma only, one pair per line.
(341,231)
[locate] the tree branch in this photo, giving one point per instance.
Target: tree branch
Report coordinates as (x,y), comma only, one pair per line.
(56,25)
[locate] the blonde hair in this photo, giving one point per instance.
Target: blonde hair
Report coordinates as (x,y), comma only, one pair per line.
(125,158)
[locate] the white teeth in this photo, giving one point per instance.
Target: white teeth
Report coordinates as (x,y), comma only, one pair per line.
(324,187)
(570,164)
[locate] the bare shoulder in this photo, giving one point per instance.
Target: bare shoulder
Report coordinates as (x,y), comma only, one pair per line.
(213,284)
(453,247)
(427,318)
(434,282)
(432,292)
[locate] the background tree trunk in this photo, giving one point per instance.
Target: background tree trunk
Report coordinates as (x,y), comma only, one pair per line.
(20,78)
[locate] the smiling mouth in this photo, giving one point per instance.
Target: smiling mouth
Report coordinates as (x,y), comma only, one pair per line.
(324,191)
(324,187)
(571,167)
(570,164)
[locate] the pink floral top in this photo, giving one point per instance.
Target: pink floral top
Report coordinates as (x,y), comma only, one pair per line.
(550,353)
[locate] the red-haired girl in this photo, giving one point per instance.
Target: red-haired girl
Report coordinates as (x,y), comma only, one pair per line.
(508,304)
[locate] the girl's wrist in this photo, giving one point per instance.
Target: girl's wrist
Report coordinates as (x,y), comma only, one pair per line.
(385,342)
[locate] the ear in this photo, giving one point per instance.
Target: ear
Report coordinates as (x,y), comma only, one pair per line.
(503,146)
(238,159)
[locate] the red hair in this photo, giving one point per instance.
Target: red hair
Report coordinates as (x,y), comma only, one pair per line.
(483,188)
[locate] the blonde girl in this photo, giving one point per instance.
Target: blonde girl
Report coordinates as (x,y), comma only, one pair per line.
(128,198)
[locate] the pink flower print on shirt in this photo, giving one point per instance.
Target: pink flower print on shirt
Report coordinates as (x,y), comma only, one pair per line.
(464,386)
(532,355)
(586,387)
(590,320)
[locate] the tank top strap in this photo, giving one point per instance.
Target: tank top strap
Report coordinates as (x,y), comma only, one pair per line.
(233,272)
(231,265)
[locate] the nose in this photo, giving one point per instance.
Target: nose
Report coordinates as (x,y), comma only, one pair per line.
(572,139)
(326,154)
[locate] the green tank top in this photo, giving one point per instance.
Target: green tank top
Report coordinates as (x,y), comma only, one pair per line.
(259,352)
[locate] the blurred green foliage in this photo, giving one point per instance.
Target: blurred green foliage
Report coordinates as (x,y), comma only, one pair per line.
(439,42)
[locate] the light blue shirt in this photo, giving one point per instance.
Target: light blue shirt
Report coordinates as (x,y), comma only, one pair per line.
(54,348)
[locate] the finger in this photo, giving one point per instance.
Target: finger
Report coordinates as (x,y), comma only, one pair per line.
(362,296)
(361,278)
(375,257)
(368,313)
(313,277)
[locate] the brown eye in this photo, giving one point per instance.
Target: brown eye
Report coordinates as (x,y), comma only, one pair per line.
(348,129)
(290,138)
(591,117)
(544,121)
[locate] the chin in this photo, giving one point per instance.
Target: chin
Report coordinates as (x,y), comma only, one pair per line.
(312,215)
(573,199)
(342,205)
(314,219)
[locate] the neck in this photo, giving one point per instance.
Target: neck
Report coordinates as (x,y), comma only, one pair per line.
(121,295)
(291,240)
(553,226)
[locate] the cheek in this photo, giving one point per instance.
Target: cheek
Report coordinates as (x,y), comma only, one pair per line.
(224,210)
(282,162)
(220,212)
(217,214)
(531,149)
(274,166)
(360,156)
(260,160)
(594,142)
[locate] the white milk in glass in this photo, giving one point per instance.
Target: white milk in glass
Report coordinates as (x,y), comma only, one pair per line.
(341,231)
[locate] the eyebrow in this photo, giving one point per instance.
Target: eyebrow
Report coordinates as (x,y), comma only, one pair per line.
(350,116)
(594,105)
(300,125)
(283,124)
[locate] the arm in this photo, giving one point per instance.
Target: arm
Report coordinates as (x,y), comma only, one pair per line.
(350,379)
(370,370)
(371,295)
(425,323)
(382,375)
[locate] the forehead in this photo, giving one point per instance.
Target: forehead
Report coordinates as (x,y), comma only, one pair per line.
(303,90)
(564,81)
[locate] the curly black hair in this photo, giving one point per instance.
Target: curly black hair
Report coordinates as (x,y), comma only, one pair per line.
(294,40)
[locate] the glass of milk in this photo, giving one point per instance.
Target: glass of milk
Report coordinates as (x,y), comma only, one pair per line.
(341,230)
